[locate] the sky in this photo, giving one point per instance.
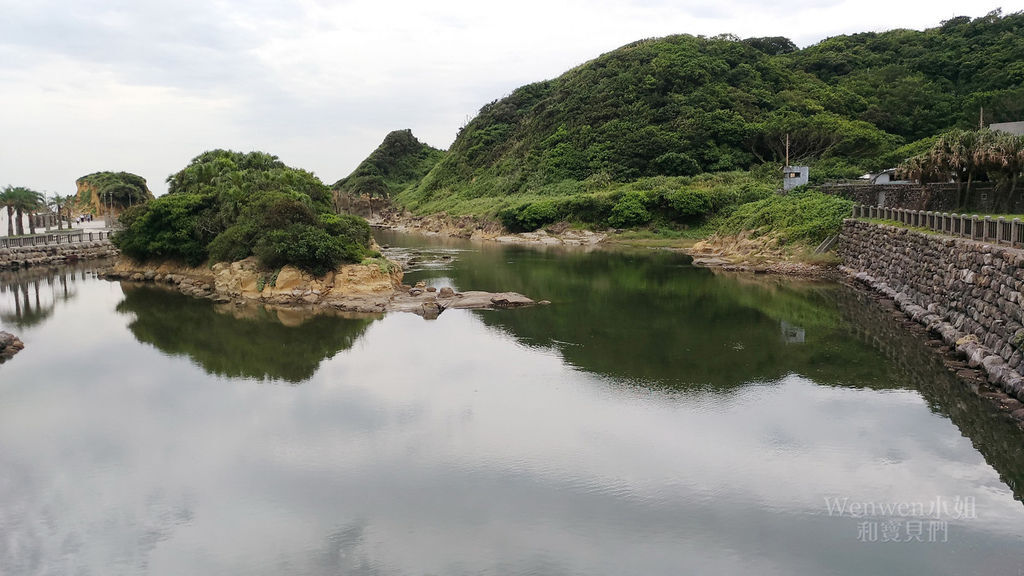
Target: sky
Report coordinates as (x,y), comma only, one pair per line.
(144,86)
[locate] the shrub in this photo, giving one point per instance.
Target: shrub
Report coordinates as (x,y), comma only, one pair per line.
(630,210)
(233,244)
(307,247)
(170,227)
(687,203)
(803,216)
(530,216)
(346,226)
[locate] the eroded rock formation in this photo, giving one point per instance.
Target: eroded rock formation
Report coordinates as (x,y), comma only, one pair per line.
(375,286)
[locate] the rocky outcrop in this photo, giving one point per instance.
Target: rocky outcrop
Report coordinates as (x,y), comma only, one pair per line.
(478,228)
(110,192)
(373,287)
(28,256)
(429,302)
(968,293)
(9,346)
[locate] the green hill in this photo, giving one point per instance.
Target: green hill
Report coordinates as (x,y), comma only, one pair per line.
(675,129)
(400,161)
(102,191)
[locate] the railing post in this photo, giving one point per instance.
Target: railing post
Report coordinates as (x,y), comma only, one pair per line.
(1015,232)
(1000,230)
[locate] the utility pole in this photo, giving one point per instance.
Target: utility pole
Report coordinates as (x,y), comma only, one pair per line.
(981,118)
(787,151)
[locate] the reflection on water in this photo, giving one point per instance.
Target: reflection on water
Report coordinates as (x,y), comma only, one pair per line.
(553,440)
(653,318)
(28,296)
(992,433)
(250,341)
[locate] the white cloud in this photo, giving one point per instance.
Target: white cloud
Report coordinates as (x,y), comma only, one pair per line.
(144,86)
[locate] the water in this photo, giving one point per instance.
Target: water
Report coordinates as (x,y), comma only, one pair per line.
(654,419)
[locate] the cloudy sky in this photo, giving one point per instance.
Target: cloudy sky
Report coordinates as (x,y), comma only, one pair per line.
(144,86)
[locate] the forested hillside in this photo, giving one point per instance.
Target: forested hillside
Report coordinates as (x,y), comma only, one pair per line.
(400,161)
(654,115)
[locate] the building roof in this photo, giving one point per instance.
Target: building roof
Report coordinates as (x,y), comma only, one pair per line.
(1011,127)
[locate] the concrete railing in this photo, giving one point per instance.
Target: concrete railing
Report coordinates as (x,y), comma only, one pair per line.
(981,228)
(54,239)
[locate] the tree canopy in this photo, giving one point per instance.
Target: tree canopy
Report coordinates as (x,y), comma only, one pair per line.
(226,206)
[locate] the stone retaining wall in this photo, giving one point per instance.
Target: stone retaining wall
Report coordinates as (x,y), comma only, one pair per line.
(967,292)
(27,256)
(941,197)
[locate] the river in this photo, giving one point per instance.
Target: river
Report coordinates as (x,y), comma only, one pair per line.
(656,418)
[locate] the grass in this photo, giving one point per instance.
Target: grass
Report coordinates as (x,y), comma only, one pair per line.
(382,264)
(807,217)
(899,224)
(661,237)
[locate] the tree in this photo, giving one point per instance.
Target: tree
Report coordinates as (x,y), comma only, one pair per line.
(60,204)
(1001,155)
(7,201)
(23,200)
(964,155)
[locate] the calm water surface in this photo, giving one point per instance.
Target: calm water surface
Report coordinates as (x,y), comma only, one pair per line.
(655,419)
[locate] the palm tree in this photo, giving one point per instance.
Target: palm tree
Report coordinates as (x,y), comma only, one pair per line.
(61,204)
(25,200)
(7,201)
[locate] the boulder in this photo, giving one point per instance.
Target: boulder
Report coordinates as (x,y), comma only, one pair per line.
(9,346)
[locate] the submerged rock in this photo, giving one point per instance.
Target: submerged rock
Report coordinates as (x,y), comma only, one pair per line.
(424,303)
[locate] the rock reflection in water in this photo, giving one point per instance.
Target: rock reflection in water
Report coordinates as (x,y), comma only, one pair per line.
(250,341)
(877,323)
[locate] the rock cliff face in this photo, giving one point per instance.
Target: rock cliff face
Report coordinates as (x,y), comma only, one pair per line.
(351,287)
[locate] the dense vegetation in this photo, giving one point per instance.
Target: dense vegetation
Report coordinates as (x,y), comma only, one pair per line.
(225,206)
(969,155)
(400,161)
(657,200)
(802,215)
(18,201)
(622,139)
(115,189)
